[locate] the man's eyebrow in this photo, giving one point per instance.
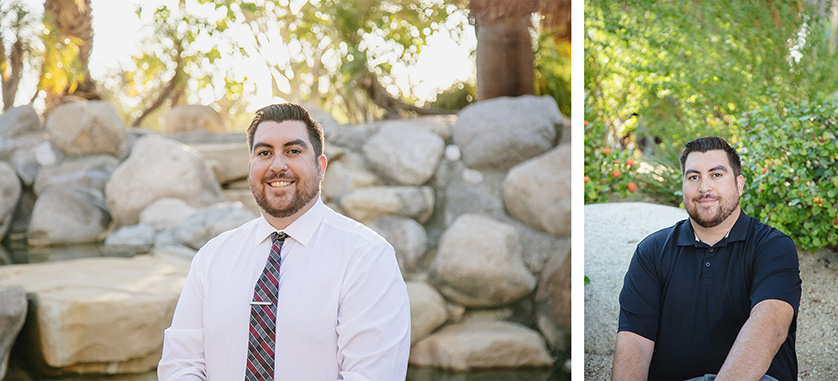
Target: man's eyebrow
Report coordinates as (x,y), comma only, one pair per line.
(260,145)
(297,142)
(720,168)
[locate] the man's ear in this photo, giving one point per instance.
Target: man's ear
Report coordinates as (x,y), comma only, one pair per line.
(740,184)
(323,163)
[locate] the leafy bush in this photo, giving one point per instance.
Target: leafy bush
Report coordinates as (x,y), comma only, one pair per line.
(607,170)
(790,164)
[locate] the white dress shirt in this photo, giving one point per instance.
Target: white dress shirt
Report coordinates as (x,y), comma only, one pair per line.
(342,314)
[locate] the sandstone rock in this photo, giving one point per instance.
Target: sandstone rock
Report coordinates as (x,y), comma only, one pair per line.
(229,161)
(345,174)
(502,132)
(86,171)
(10,189)
(481,344)
(537,191)
(408,238)
(165,213)
(12,316)
(134,239)
(97,315)
(368,204)
(552,302)
(427,310)
(68,215)
(612,232)
(87,128)
(203,225)
(479,263)
(18,120)
(185,118)
(405,154)
(159,168)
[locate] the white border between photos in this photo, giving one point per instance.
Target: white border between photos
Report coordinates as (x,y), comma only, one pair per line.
(577,292)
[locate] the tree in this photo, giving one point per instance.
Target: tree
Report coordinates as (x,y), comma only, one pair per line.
(15,17)
(68,38)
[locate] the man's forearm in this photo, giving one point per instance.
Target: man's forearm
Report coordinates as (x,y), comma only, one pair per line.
(632,356)
(758,341)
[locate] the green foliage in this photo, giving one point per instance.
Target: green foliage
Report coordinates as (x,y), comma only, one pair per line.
(454,98)
(608,171)
(552,70)
(659,74)
(790,164)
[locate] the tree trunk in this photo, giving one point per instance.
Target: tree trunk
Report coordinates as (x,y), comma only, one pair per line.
(505,60)
(74,18)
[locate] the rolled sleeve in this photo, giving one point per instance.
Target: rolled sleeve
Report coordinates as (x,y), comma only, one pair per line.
(374,319)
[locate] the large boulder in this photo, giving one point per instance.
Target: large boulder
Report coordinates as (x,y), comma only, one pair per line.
(612,232)
(537,191)
(408,238)
(367,204)
(68,215)
(10,189)
(12,316)
(87,128)
(502,132)
(480,345)
(186,118)
(552,302)
(228,161)
(97,315)
(427,310)
(345,173)
(159,168)
(86,171)
(166,213)
(28,161)
(194,231)
(479,263)
(405,154)
(130,240)
(17,121)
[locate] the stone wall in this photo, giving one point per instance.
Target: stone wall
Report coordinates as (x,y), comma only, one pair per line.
(477,207)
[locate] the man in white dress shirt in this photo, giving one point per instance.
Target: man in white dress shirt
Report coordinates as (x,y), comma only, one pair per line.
(342,310)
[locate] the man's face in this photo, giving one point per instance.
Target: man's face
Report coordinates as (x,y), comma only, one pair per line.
(284,174)
(711,190)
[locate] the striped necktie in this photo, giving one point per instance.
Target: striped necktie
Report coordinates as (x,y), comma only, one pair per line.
(261,343)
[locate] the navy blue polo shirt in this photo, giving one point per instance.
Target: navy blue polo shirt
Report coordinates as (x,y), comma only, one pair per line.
(692,299)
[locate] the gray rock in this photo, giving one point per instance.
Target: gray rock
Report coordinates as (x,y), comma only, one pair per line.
(612,232)
(25,141)
(10,189)
(244,196)
(403,153)
(228,161)
(480,345)
(13,308)
(68,215)
(165,213)
(134,239)
(86,171)
(322,117)
(159,168)
(427,310)
(87,128)
(502,132)
(203,225)
(479,264)
(408,238)
(367,204)
(552,302)
(17,121)
(538,247)
(346,173)
(28,161)
(352,137)
(184,118)
(537,191)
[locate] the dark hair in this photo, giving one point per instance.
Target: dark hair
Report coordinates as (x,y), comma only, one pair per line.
(281,112)
(712,143)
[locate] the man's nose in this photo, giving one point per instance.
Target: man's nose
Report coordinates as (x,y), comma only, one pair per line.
(278,164)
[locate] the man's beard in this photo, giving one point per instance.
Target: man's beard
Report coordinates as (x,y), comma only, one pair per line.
(304,193)
(726,206)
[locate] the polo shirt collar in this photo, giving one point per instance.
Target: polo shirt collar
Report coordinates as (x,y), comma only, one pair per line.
(301,230)
(687,236)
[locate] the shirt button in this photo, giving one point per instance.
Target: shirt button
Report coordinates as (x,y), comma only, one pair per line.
(711,249)
(707,264)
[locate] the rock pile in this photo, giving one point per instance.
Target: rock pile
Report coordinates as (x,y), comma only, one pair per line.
(477,207)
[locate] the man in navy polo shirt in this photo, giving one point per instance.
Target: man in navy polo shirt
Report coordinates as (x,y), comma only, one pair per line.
(716,294)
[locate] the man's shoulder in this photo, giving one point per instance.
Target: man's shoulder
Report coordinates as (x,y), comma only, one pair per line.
(661,237)
(351,228)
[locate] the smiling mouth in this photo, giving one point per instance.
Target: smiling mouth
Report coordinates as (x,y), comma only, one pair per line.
(279,184)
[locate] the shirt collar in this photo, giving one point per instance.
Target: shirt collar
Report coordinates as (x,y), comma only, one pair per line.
(301,230)
(687,236)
